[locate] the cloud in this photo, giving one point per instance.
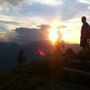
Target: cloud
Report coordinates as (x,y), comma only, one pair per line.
(44,8)
(85,1)
(67,10)
(72,8)
(40,10)
(26,35)
(10,36)
(8,23)
(18,2)
(1,8)
(7,26)
(10,2)
(31,21)
(2,28)
(12,5)
(48,2)
(6,18)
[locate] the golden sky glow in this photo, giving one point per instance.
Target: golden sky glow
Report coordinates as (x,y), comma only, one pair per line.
(70,33)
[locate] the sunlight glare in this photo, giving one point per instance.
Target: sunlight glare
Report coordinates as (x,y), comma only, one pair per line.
(53,31)
(53,36)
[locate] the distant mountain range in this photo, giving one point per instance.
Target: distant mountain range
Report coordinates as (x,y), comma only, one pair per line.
(33,51)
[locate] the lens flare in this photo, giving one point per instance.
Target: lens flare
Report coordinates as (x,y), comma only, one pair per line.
(41,53)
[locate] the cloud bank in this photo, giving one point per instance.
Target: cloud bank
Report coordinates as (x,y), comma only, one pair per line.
(31,13)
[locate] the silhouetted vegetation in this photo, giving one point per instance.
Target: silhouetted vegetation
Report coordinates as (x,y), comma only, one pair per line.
(41,76)
(21,58)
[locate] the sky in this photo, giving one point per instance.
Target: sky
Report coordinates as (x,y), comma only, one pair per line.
(32,13)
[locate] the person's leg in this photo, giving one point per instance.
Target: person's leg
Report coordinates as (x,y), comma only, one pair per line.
(84,51)
(84,54)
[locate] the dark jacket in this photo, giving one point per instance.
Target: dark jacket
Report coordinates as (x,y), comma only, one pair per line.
(84,35)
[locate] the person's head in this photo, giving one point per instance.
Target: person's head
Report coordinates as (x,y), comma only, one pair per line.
(83,19)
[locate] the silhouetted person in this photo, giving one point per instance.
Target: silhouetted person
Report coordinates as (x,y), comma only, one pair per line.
(84,35)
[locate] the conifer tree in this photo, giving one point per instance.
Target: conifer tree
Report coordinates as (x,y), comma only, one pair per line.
(21,58)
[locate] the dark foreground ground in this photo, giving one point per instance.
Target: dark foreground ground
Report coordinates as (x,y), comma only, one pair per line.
(47,75)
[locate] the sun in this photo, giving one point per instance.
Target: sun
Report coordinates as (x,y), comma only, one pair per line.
(53,36)
(53,32)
